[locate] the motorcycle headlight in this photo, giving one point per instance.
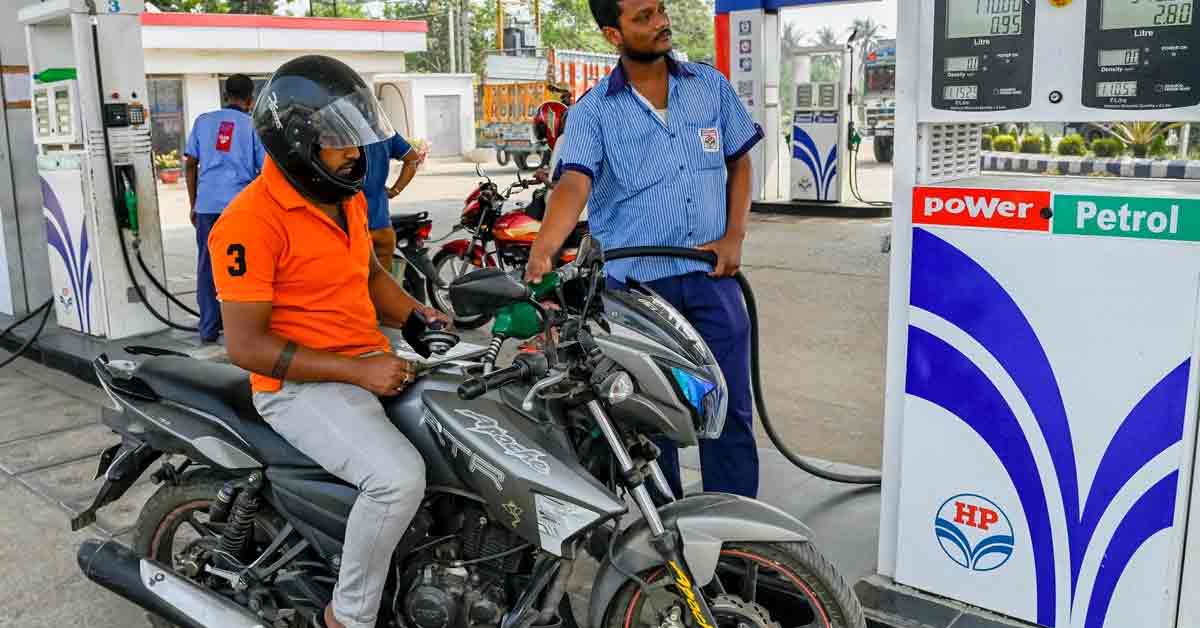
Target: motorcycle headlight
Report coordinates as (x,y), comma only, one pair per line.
(706,398)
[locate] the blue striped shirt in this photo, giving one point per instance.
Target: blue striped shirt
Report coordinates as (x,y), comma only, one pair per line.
(658,183)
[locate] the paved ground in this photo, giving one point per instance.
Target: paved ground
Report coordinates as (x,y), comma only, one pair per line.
(821,284)
(50,437)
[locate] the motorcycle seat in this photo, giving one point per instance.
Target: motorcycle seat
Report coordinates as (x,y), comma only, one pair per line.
(222,391)
(408,220)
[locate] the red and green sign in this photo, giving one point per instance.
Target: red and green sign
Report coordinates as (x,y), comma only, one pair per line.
(1152,218)
(982,208)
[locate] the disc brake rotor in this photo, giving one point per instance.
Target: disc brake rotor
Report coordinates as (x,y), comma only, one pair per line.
(732,611)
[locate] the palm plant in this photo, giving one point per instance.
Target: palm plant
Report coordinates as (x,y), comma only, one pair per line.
(1139,135)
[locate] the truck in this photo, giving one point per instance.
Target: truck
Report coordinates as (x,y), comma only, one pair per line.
(879,98)
(513,87)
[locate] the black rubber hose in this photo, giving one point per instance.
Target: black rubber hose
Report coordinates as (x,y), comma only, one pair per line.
(45,310)
(162,288)
(760,402)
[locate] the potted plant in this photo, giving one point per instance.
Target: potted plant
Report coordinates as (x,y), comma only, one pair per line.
(1140,136)
(167,165)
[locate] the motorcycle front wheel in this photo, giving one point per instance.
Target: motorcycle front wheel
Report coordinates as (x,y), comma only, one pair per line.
(757,585)
(450,266)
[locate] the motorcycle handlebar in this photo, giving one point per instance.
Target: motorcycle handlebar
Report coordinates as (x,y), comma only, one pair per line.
(525,366)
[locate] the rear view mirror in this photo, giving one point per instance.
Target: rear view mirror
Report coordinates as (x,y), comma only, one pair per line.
(484,291)
(591,251)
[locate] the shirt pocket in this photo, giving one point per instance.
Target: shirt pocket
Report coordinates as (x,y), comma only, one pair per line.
(704,144)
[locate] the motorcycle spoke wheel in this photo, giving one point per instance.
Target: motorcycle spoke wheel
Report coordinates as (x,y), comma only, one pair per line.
(753,587)
(448,268)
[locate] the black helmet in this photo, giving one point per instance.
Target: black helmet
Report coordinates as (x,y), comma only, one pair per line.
(315,102)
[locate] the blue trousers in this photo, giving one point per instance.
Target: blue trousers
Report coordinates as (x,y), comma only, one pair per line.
(206,292)
(729,464)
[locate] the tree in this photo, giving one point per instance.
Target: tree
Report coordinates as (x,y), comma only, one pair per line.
(826,36)
(826,68)
(337,8)
(255,7)
(791,42)
(869,32)
(568,25)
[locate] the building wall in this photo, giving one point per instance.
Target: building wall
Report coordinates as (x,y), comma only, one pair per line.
(191,61)
(415,87)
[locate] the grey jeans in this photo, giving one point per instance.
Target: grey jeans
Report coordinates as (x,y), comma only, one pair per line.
(345,430)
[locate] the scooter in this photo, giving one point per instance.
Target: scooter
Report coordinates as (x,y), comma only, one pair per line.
(498,239)
(528,466)
(411,264)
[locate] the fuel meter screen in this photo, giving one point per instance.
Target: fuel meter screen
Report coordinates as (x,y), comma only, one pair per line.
(1122,14)
(987,18)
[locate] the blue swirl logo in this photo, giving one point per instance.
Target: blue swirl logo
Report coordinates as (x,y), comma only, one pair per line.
(974,532)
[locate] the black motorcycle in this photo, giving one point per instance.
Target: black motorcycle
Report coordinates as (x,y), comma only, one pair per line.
(414,268)
(529,468)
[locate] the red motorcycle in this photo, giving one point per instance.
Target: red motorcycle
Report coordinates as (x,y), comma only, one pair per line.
(497,239)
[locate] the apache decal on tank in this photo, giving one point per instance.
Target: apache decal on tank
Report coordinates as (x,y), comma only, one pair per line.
(515,464)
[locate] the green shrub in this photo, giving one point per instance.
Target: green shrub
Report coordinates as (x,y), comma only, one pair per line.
(1073,145)
(1031,144)
(1004,143)
(985,142)
(991,131)
(1047,144)
(1035,131)
(1159,148)
(1108,147)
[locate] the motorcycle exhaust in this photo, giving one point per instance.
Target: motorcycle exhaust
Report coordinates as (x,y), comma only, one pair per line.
(153,587)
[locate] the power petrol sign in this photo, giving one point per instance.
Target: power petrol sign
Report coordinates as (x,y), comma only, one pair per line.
(1128,217)
(1154,218)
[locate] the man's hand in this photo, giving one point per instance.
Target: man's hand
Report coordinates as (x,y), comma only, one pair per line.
(393,192)
(538,266)
(384,374)
(431,315)
(729,255)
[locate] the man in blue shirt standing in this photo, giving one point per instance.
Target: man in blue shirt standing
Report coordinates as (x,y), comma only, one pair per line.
(659,153)
(379,158)
(223,156)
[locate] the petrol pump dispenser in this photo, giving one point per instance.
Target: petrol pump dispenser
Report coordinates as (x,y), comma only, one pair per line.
(94,162)
(1042,378)
(820,125)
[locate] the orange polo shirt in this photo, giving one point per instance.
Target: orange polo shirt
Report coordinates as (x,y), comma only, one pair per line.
(273,245)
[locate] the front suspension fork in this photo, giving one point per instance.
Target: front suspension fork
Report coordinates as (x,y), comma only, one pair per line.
(664,541)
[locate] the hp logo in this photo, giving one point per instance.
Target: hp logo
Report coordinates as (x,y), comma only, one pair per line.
(974,532)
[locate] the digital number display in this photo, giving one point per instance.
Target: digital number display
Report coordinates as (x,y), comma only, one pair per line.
(984,18)
(1117,89)
(962,64)
(1120,14)
(961,92)
(1115,58)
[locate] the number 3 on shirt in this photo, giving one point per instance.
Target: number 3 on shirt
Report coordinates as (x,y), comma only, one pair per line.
(239,260)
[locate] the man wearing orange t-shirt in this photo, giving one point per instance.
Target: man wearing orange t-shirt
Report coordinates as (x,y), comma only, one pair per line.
(301,295)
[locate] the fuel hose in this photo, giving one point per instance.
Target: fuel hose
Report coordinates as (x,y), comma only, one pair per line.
(760,402)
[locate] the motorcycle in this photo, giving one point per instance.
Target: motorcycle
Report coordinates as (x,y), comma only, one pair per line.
(411,264)
(498,239)
(529,468)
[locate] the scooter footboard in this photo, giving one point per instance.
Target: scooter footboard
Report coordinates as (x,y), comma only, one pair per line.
(705,523)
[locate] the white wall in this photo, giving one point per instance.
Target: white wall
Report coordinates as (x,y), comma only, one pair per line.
(253,38)
(179,61)
(201,94)
(417,86)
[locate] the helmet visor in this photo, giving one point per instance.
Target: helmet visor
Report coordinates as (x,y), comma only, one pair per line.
(355,119)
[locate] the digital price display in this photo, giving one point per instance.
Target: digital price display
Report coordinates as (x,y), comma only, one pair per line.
(1127,57)
(984,18)
(962,64)
(1141,55)
(961,92)
(986,50)
(1145,13)
(1117,89)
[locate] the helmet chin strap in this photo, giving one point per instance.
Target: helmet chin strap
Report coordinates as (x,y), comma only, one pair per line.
(329,187)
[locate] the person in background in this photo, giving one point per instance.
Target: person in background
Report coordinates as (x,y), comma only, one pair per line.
(379,160)
(683,180)
(223,156)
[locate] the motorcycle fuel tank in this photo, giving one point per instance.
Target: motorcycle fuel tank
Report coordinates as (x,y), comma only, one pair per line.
(524,470)
(517,227)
